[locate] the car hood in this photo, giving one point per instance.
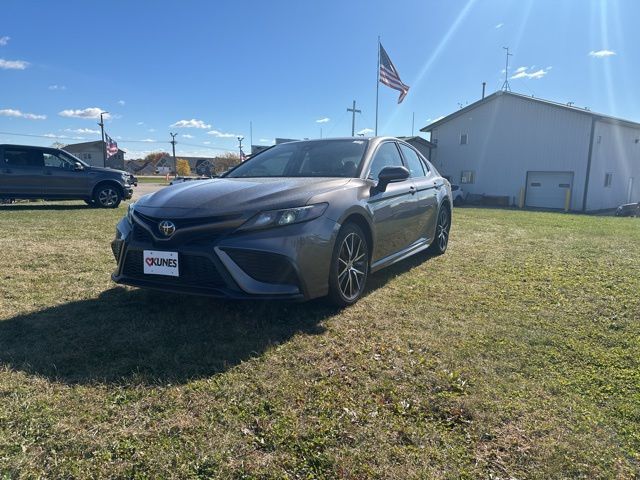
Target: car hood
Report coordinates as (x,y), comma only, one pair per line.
(107,170)
(223,196)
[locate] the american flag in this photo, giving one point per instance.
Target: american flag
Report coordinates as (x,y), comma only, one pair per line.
(389,75)
(112,147)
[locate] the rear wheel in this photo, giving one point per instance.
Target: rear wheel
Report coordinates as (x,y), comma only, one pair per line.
(349,266)
(107,196)
(441,240)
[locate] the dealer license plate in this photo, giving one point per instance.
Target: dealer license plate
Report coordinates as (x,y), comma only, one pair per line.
(160,263)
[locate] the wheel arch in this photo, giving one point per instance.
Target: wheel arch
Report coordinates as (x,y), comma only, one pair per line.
(102,183)
(362,221)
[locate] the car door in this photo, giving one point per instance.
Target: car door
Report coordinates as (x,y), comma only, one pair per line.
(21,172)
(395,209)
(427,192)
(61,179)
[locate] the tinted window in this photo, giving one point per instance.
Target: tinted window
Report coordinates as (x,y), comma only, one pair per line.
(56,161)
(329,158)
(23,157)
(386,156)
(415,165)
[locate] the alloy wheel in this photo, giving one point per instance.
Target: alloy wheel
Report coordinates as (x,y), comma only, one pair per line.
(442,233)
(352,266)
(108,197)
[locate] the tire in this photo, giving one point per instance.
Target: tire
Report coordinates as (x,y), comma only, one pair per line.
(349,266)
(441,239)
(107,196)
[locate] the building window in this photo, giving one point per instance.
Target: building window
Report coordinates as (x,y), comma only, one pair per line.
(464,139)
(468,176)
(607,179)
(86,156)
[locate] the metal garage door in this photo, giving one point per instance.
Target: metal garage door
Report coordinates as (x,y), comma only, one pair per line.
(548,189)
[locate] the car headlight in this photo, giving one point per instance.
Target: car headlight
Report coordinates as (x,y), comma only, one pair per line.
(126,177)
(286,216)
(130,213)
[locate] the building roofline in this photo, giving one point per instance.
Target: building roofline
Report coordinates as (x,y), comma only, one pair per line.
(468,108)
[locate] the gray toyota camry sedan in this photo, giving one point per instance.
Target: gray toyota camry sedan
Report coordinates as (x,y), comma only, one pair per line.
(297,221)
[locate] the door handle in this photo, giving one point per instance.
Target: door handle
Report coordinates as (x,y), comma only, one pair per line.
(412,190)
(48,172)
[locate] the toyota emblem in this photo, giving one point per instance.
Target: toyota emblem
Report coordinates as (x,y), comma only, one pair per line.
(167,228)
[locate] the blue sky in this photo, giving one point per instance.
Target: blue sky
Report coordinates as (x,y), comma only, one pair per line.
(206,69)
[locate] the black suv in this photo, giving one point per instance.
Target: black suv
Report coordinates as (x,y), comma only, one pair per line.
(53,174)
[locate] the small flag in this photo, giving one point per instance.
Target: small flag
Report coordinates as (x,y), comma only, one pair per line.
(112,147)
(389,75)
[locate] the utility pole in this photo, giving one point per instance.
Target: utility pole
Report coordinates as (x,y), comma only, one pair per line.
(104,145)
(353,118)
(413,122)
(251,136)
(240,147)
(173,145)
(320,132)
(505,86)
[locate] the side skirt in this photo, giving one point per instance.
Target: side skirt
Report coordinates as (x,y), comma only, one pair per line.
(419,246)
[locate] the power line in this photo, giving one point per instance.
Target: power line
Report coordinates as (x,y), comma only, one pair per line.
(120,140)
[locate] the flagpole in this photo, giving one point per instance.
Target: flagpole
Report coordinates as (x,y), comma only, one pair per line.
(377,85)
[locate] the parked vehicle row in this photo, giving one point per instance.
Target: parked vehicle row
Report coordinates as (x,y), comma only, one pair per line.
(53,174)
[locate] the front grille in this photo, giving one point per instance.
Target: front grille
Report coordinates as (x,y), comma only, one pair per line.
(264,266)
(195,270)
(141,235)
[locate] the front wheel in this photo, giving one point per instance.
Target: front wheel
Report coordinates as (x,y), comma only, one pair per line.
(107,196)
(441,240)
(349,266)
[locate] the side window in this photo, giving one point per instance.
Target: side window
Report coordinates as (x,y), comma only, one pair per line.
(386,156)
(55,161)
(16,157)
(416,167)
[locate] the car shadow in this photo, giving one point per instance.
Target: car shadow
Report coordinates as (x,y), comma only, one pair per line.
(146,337)
(41,206)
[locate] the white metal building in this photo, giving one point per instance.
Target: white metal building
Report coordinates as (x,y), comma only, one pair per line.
(507,144)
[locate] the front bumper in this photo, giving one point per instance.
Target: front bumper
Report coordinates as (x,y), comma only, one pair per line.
(290,262)
(128,191)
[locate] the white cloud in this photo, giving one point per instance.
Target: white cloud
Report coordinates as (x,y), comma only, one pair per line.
(140,123)
(186,135)
(83,131)
(151,130)
(323,120)
(86,113)
(526,72)
(121,102)
(8,112)
(207,143)
(601,53)
(219,134)
(267,140)
(193,123)
(51,135)
(148,140)
(365,131)
(4,40)
(13,64)
(57,87)
(500,25)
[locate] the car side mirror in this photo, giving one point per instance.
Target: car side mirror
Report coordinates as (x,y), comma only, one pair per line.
(390,175)
(78,167)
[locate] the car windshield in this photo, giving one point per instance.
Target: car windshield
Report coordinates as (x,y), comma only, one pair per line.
(317,158)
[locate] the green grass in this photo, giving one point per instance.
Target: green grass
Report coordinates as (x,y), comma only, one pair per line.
(515,355)
(160,180)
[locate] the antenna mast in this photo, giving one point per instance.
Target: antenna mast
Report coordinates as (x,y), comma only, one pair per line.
(505,86)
